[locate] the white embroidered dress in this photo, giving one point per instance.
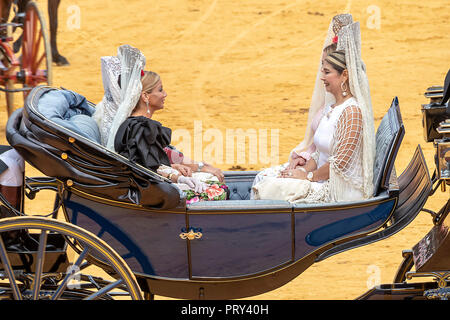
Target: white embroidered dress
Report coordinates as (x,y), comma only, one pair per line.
(350,152)
(338,141)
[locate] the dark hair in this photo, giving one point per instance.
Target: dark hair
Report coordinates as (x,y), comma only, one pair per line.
(337,61)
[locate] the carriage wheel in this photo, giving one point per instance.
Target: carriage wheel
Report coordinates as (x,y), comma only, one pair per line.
(51,287)
(36,59)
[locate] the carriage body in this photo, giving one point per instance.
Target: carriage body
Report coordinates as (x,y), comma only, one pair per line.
(223,249)
(215,249)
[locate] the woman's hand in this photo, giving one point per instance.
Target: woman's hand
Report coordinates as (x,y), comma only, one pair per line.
(193,183)
(215,171)
(294,163)
(293,173)
(295,160)
(184,170)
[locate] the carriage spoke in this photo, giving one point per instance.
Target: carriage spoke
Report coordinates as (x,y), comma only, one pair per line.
(69,276)
(31,27)
(34,282)
(38,62)
(26,45)
(35,53)
(39,264)
(104,290)
(9,271)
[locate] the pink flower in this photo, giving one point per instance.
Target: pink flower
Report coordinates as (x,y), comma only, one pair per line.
(214,191)
(193,200)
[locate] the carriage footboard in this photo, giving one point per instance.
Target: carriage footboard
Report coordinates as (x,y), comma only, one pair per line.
(414,188)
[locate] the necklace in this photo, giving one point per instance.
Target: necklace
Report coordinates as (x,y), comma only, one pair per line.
(334,106)
(331,110)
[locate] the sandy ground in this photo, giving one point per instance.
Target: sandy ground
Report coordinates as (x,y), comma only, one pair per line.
(251,64)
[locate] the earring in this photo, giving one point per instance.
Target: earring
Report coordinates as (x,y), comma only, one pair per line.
(344,90)
(148,108)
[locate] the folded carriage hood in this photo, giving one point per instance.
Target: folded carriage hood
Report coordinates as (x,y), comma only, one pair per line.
(84,164)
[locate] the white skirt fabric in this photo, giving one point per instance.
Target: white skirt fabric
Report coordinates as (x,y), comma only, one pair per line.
(269,186)
(13,176)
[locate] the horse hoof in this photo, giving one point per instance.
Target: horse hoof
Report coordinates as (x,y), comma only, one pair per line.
(61,61)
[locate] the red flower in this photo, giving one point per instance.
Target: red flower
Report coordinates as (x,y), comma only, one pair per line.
(335,39)
(142,73)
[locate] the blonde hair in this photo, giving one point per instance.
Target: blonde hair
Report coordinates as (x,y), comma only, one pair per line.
(149,81)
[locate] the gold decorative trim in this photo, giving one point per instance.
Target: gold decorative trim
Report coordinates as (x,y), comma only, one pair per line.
(441,277)
(191,235)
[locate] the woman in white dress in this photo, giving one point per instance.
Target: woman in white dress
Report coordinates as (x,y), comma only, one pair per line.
(342,143)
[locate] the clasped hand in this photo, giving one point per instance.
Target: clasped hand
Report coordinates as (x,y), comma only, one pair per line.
(187,171)
(295,160)
(293,173)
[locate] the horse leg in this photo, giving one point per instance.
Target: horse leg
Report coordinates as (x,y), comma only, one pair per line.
(21,5)
(5,7)
(53,19)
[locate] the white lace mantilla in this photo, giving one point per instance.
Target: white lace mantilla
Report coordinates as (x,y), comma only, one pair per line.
(119,100)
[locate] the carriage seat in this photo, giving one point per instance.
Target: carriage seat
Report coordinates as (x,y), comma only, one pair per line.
(70,110)
(389,135)
(55,134)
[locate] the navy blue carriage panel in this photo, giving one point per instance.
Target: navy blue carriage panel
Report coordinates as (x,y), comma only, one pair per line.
(240,238)
(147,240)
(319,225)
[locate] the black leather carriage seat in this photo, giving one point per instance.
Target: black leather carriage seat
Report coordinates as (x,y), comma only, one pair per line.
(65,149)
(388,138)
(389,135)
(240,183)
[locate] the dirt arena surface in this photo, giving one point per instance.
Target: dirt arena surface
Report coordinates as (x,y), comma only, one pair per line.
(229,64)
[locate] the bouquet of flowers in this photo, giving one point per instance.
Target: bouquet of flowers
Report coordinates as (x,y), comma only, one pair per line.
(215,191)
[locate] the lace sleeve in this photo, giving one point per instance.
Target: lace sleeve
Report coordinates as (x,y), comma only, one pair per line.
(346,151)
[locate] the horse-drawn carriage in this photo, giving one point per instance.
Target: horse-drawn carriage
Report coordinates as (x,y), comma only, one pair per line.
(136,226)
